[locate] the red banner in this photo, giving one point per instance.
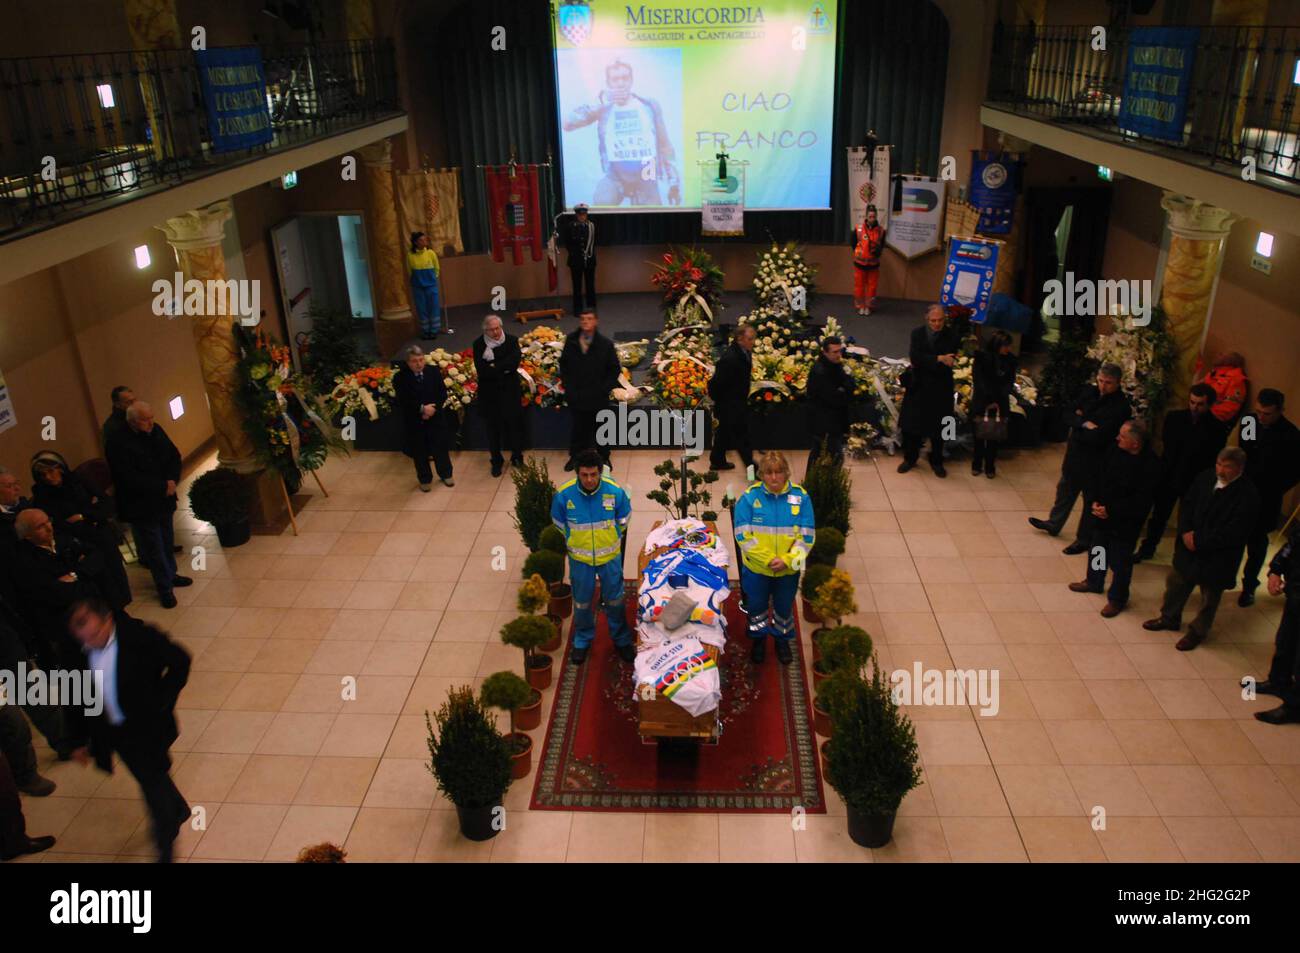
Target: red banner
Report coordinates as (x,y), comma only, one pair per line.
(513,214)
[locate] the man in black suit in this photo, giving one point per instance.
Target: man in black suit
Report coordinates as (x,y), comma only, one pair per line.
(928,399)
(829,390)
(1117,502)
(123,397)
(422,398)
(589,370)
(729,391)
(146,470)
(1190,440)
(580,241)
(1214,520)
(1284,672)
(140,673)
(1098,414)
(1272,445)
(496,362)
(50,574)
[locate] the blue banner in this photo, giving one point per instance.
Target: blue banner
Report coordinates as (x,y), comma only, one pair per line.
(234,92)
(1156,80)
(994,184)
(968,279)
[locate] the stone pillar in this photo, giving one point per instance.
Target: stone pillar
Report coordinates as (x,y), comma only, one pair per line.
(394,322)
(1197,234)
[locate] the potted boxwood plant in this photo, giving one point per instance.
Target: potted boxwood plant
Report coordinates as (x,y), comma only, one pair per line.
(845,647)
(530,633)
(534,597)
(828,693)
(827,547)
(871,758)
(224,498)
(471,762)
(507,690)
(833,600)
(552,540)
(533,493)
(813,576)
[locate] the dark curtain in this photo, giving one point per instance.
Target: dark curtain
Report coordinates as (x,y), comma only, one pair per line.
(891,64)
(1084,252)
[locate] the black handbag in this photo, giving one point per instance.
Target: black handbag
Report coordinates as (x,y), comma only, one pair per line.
(992,429)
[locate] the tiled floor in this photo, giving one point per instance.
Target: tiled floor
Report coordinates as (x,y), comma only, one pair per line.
(1109,744)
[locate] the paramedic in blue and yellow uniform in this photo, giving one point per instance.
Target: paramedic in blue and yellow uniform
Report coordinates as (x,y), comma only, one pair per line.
(592,512)
(424,268)
(774,532)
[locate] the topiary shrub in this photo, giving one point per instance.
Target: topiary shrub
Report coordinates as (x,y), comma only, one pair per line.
(831,490)
(221,497)
(552,540)
(835,597)
(844,648)
(534,595)
(533,493)
(813,577)
(545,563)
(467,755)
(506,690)
(528,632)
(828,546)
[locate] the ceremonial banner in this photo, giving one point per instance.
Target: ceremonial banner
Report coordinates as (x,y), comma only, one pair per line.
(234,92)
(916,227)
(1156,79)
(7,418)
(968,279)
(513,217)
(722,201)
(429,201)
(868,185)
(994,184)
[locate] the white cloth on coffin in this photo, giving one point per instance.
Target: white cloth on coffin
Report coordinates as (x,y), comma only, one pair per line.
(682,671)
(689,534)
(705,583)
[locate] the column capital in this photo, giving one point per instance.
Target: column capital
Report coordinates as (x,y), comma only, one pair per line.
(377,154)
(198,228)
(1194,219)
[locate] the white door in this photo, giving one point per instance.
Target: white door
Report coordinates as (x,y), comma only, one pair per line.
(295,282)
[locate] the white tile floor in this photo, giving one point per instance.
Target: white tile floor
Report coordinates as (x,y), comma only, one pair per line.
(396,587)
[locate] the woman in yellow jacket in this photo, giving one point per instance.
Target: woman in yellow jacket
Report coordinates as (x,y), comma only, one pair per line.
(423,264)
(774,533)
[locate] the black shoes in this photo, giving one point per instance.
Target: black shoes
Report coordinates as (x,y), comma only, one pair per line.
(991,472)
(1045,526)
(497,468)
(1075,548)
(34,845)
(168,601)
(578,655)
(783,653)
(1266,687)
(1144,552)
(38,787)
(1161,624)
(905,466)
(1247,598)
(626,652)
(758,653)
(725,465)
(940,472)
(180,582)
(516,461)
(1281,715)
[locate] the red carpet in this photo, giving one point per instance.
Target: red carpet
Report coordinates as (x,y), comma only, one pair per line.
(764,762)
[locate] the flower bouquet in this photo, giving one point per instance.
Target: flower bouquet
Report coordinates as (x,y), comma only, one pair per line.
(680,383)
(631,353)
(369,389)
(458,374)
(780,270)
(1147,356)
(539,367)
(690,274)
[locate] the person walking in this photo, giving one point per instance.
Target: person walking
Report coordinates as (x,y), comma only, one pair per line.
(729,391)
(829,391)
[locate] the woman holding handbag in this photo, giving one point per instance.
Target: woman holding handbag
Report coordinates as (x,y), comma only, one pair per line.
(995,376)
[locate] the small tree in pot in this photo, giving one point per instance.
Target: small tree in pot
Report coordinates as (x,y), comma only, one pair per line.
(828,694)
(833,600)
(535,598)
(533,493)
(871,759)
(552,540)
(827,547)
(813,576)
(530,633)
(224,498)
(507,690)
(471,762)
(845,647)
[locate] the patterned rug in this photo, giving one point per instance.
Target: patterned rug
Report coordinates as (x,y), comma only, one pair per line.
(765,760)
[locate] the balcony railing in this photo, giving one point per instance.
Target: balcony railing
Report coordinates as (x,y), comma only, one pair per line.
(1241,99)
(76,131)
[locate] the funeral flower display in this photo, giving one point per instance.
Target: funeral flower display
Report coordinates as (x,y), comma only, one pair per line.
(368,391)
(779,271)
(690,275)
(458,374)
(1147,355)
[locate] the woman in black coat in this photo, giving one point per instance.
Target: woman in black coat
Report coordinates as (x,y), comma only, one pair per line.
(76,511)
(994,379)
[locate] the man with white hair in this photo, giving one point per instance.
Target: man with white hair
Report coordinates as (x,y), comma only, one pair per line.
(146,470)
(496,361)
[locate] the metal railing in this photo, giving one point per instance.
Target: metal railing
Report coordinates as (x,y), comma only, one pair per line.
(1241,101)
(79,130)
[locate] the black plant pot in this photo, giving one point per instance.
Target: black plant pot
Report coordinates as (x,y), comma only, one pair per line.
(871,830)
(234,534)
(476,822)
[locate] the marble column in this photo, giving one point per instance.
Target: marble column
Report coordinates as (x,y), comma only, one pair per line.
(196,236)
(1197,235)
(394,322)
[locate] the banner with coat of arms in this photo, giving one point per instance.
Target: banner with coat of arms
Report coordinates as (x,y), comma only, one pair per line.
(429,201)
(869,184)
(514,219)
(574,20)
(994,185)
(916,227)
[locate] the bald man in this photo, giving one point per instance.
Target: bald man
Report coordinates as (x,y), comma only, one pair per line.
(146,470)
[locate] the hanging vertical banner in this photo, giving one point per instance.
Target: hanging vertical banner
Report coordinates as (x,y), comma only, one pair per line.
(868,184)
(429,201)
(994,184)
(513,217)
(722,201)
(7,418)
(1157,77)
(968,278)
(916,227)
(234,92)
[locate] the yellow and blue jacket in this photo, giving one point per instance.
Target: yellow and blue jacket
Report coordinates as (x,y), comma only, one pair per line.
(424,267)
(592,523)
(769,525)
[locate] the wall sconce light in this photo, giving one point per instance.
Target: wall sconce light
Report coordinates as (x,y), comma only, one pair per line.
(105,95)
(142,258)
(177,407)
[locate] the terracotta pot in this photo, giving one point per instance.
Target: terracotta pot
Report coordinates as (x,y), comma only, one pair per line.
(529,716)
(822,749)
(819,676)
(561,600)
(821,721)
(539,671)
(808,613)
(553,644)
(521,762)
(816,643)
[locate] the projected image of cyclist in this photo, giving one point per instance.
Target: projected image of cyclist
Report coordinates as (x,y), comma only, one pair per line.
(632,137)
